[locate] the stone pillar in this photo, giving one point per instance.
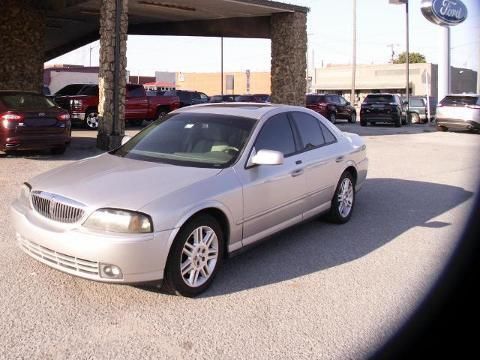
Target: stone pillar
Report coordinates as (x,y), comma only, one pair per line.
(110,133)
(22,36)
(289,59)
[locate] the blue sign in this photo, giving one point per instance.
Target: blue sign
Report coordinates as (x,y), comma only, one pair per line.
(444,12)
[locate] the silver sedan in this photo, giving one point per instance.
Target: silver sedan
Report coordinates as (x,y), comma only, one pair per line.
(176,199)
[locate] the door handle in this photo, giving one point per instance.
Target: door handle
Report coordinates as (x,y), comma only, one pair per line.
(297,172)
(340,159)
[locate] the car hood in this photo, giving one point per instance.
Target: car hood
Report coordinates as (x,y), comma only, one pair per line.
(111,181)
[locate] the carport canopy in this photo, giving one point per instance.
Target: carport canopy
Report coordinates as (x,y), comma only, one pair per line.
(74,23)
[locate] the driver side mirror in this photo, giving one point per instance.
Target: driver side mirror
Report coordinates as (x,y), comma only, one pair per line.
(267,157)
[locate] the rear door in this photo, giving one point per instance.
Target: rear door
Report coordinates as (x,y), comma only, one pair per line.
(321,159)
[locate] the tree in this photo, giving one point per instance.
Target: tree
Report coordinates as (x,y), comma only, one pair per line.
(413,58)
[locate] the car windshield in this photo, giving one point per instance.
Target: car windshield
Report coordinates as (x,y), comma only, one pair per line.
(379,99)
(26,101)
(459,100)
(186,139)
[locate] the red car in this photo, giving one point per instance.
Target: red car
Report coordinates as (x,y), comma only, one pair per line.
(81,100)
(30,121)
(332,106)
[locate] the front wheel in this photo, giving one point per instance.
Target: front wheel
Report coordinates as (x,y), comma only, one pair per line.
(332,117)
(353,118)
(91,120)
(398,122)
(195,257)
(343,199)
(415,118)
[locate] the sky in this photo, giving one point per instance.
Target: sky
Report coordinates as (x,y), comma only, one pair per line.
(329,29)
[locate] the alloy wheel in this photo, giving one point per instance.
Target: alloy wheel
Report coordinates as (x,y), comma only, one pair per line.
(345,197)
(92,120)
(199,256)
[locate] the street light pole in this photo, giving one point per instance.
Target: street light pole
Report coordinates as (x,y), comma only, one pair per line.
(354,52)
(407,63)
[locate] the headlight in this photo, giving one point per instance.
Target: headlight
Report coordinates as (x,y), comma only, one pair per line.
(121,221)
(25,194)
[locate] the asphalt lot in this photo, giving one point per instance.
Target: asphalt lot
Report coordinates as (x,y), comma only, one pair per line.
(315,291)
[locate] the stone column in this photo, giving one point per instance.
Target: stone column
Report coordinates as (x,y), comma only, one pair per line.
(22,36)
(289,59)
(110,133)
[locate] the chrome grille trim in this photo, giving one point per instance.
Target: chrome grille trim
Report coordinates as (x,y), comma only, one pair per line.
(56,207)
(68,262)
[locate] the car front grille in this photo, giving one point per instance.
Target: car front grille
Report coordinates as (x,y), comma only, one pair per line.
(56,207)
(70,263)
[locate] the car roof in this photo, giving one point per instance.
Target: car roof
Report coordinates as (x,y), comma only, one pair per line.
(472,95)
(246,109)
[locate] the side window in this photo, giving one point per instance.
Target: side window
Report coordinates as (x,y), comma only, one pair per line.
(277,135)
(309,130)
(203,97)
(342,100)
(327,134)
(136,91)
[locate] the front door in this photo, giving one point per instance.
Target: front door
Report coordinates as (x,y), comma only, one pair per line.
(273,194)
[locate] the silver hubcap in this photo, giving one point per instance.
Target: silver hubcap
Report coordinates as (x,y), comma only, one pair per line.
(92,120)
(345,197)
(199,256)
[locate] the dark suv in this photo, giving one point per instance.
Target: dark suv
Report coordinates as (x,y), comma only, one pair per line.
(387,108)
(332,106)
(188,97)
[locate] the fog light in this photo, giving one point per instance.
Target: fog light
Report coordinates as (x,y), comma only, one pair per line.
(109,271)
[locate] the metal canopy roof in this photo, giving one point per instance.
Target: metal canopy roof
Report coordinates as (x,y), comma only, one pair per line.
(74,23)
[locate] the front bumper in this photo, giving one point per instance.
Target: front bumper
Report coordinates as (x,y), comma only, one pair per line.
(79,252)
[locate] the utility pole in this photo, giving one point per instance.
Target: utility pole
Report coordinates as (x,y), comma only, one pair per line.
(354,52)
(221,60)
(392,46)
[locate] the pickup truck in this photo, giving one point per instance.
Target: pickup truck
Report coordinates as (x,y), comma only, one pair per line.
(81,100)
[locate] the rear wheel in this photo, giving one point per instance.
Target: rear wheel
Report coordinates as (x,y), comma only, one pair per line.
(161,113)
(343,199)
(195,257)
(398,121)
(363,122)
(353,118)
(91,120)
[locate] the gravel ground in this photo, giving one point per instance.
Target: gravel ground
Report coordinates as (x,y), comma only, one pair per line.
(314,291)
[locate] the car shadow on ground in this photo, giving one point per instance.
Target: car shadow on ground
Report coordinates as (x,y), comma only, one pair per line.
(385,209)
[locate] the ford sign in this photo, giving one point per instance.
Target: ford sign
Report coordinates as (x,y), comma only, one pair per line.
(444,12)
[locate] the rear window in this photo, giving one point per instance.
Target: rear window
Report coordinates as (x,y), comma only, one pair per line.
(72,89)
(417,103)
(379,99)
(26,101)
(314,99)
(459,100)
(91,90)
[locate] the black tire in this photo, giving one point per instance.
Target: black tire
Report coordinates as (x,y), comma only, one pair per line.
(161,113)
(69,137)
(353,118)
(91,119)
(398,122)
(332,117)
(335,215)
(363,122)
(441,128)
(58,150)
(173,280)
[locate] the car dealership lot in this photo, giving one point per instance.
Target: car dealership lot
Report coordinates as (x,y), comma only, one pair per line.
(315,291)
